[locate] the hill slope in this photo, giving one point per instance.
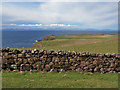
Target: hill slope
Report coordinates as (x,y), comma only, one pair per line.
(81,43)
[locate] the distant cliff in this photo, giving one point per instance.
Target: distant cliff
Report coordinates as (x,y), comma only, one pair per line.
(38,44)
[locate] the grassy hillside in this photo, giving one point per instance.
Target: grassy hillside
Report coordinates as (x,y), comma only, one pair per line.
(81,43)
(58,80)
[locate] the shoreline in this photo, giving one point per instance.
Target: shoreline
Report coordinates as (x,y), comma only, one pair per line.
(19,38)
(81,43)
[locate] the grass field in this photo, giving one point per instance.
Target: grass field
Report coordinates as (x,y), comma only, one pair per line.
(58,80)
(80,43)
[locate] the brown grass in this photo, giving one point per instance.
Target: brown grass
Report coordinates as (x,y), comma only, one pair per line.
(70,35)
(102,36)
(60,39)
(81,42)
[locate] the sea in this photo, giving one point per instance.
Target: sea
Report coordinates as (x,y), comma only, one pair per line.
(26,38)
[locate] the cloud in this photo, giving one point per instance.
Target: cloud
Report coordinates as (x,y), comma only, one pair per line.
(61,1)
(39,25)
(29,25)
(88,15)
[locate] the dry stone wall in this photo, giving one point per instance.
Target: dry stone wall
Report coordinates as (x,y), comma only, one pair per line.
(42,60)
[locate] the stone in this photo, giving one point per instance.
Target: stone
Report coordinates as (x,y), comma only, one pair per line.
(19,61)
(43,60)
(20,55)
(22,67)
(112,65)
(51,70)
(118,69)
(32,51)
(28,56)
(13,67)
(25,61)
(27,67)
(78,70)
(47,67)
(96,69)
(51,63)
(85,68)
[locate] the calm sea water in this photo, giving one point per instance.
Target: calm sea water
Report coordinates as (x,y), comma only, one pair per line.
(19,39)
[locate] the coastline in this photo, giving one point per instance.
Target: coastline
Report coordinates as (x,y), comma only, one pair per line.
(19,39)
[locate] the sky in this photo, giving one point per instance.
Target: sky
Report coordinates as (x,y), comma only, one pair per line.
(79,15)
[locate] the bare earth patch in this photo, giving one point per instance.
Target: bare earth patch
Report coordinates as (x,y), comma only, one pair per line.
(81,42)
(71,35)
(60,39)
(102,36)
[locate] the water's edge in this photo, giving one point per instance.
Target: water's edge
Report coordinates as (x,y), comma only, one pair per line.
(26,39)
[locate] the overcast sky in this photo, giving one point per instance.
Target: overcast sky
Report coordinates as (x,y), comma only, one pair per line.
(100,15)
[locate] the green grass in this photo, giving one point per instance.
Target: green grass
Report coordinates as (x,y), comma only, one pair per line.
(54,43)
(67,42)
(58,80)
(104,47)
